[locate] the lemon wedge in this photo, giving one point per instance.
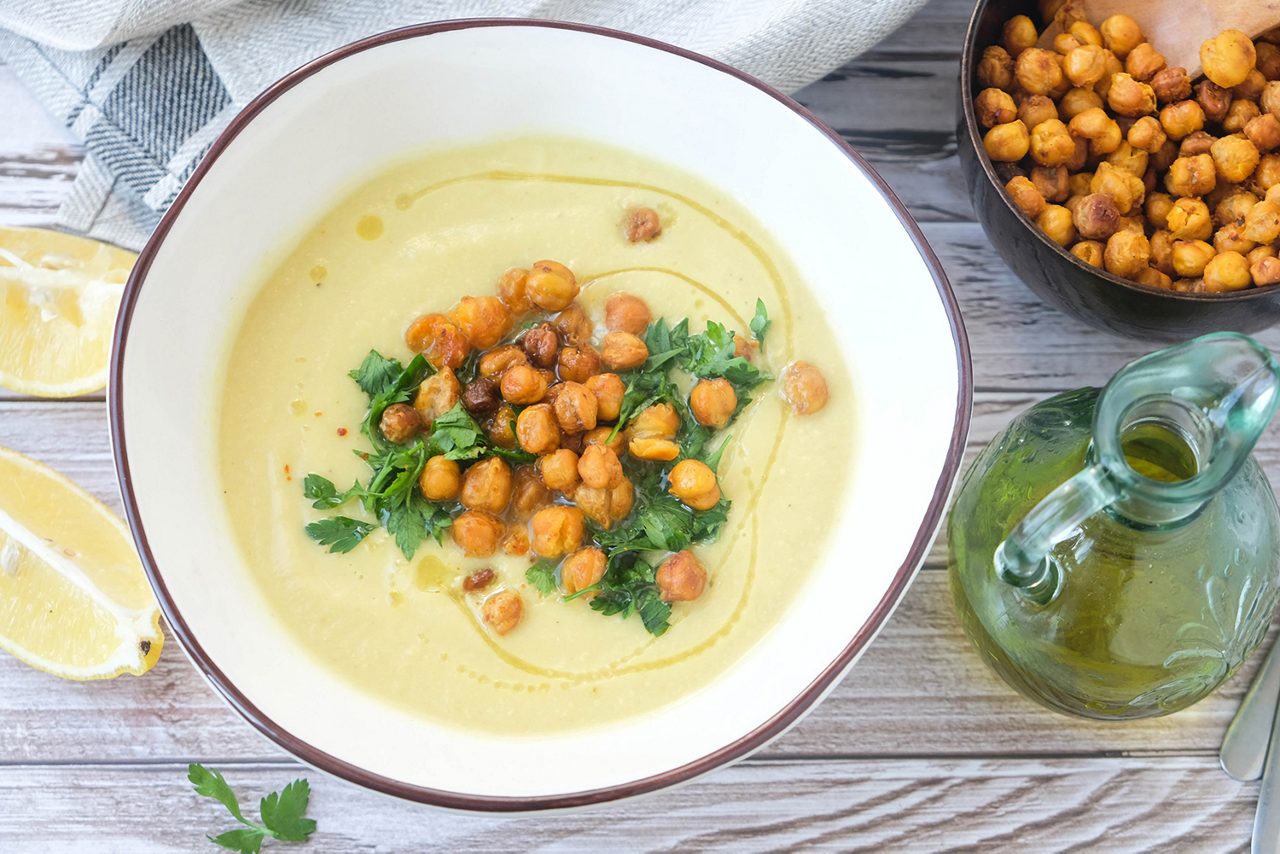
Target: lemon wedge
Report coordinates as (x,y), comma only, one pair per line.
(74,601)
(58,301)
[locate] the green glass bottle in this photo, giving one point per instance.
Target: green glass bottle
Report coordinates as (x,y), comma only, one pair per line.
(1115,553)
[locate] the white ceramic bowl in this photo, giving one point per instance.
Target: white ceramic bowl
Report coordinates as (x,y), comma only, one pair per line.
(338,120)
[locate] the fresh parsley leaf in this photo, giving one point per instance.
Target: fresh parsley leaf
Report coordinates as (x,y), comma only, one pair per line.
(713,459)
(707,524)
(457,435)
(654,613)
(283,812)
(400,390)
(711,354)
(542,575)
(629,587)
(340,533)
(760,323)
(376,373)
(323,494)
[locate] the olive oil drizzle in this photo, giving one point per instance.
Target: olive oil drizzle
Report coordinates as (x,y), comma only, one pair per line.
(620,667)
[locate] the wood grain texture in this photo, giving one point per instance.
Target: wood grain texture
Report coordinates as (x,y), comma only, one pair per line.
(1041,805)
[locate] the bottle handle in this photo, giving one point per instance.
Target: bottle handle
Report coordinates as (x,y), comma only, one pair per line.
(1022,560)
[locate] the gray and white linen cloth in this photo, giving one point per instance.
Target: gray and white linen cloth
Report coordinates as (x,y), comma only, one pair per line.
(148,84)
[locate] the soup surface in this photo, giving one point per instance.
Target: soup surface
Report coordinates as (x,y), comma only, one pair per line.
(415,240)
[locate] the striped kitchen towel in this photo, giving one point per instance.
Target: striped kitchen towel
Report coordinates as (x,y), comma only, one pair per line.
(148,84)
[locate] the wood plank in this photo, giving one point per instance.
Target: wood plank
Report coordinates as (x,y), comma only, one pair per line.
(1183,803)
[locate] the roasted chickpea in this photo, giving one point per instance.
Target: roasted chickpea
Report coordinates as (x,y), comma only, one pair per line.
(1073,103)
(599,467)
(1088,251)
(541,344)
(1262,223)
(1079,184)
(512,290)
(1126,158)
(573,324)
(1157,208)
(609,391)
(1264,132)
(1270,99)
(694,483)
(1213,100)
(486,485)
(1143,62)
(523,385)
(576,408)
(1050,143)
(659,420)
(652,448)
(439,340)
(622,351)
(516,541)
(556,530)
(1120,34)
(493,363)
(641,225)
(1190,257)
(559,470)
(578,364)
(1189,219)
(1079,29)
(1181,119)
(400,423)
(1018,34)
(1264,267)
(437,395)
(625,312)
(1161,160)
(1268,63)
(713,402)
(551,286)
(483,320)
(503,611)
(1234,207)
(1147,134)
(1228,58)
(1085,65)
(582,569)
(441,479)
(537,430)
(1234,157)
(1171,85)
(1123,188)
(1162,251)
(681,578)
(1251,88)
(1227,271)
(606,507)
(1025,195)
(477,533)
(995,68)
(1230,238)
(1153,278)
(1191,176)
(1126,253)
(1055,222)
(1064,43)
(804,387)
(605,435)
(1267,175)
(500,427)
(1239,115)
(1052,182)
(1037,71)
(1096,216)
(1130,97)
(1007,142)
(528,492)
(481,397)
(1199,142)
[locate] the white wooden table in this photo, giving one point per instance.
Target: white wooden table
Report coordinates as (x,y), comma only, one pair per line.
(921,748)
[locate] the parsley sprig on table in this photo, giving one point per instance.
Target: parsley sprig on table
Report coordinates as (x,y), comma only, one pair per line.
(391,495)
(283,813)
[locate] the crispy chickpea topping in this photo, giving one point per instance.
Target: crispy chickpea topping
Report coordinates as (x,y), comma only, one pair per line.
(681,578)
(477,532)
(400,423)
(503,611)
(1228,58)
(441,479)
(804,388)
(556,530)
(487,486)
(512,290)
(623,351)
(551,286)
(483,320)
(694,483)
(713,402)
(642,225)
(578,364)
(609,390)
(437,395)
(523,385)
(625,312)
(993,106)
(537,430)
(582,569)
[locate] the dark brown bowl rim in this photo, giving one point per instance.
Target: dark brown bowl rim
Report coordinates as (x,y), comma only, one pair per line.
(975,140)
(737,749)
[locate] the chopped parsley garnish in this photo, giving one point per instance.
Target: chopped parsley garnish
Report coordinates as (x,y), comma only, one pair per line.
(542,575)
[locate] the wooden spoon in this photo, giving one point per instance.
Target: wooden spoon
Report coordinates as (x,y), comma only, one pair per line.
(1177,28)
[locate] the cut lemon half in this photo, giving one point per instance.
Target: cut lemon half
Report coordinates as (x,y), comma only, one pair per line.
(58,301)
(74,601)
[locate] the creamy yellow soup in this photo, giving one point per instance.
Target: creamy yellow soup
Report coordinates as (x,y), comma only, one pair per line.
(414,240)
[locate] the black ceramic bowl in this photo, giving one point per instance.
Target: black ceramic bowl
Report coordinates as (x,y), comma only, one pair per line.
(1093,295)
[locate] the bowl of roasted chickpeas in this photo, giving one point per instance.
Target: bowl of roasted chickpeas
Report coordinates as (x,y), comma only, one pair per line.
(1134,196)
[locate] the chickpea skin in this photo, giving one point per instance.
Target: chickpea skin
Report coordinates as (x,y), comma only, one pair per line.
(441,479)
(1127,253)
(1234,208)
(1096,217)
(1008,142)
(625,312)
(512,290)
(1055,222)
(1189,219)
(573,324)
(804,387)
(609,391)
(483,320)
(551,286)
(713,402)
(578,364)
(1227,271)
(438,339)
(486,485)
(523,385)
(556,530)
(559,470)
(1264,269)
(1024,194)
(528,493)
(582,569)
(599,467)
(1050,144)
(477,533)
(1037,71)
(694,483)
(681,578)
(400,423)
(503,611)
(481,396)
(575,407)
(1234,158)
(622,351)
(1190,257)
(437,395)
(1228,58)
(1120,34)
(642,225)
(1230,238)
(1162,252)
(995,68)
